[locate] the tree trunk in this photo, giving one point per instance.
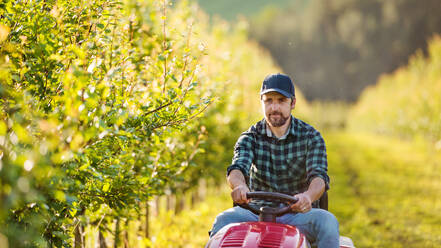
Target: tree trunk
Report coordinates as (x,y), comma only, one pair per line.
(139,220)
(179,202)
(126,234)
(169,199)
(79,242)
(101,240)
(202,189)
(147,220)
(157,205)
(195,197)
(117,242)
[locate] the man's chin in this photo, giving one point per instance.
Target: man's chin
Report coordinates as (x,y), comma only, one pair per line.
(277,122)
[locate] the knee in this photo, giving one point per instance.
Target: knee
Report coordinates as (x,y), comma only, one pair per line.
(224,218)
(219,220)
(218,223)
(328,221)
(227,217)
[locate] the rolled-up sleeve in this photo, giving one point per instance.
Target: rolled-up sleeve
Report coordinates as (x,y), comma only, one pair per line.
(243,155)
(316,161)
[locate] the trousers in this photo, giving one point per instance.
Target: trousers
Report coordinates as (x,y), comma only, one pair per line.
(319,226)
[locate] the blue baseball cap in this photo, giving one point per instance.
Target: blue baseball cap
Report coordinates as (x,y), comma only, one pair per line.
(280,83)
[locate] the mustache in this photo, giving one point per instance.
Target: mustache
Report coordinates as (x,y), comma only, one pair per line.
(275,113)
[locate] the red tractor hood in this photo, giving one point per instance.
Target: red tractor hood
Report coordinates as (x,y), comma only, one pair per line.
(258,234)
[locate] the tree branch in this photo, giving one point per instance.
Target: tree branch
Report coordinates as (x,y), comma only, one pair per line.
(158,108)
(172,123)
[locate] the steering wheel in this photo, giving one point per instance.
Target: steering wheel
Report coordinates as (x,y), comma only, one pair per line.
(269,213)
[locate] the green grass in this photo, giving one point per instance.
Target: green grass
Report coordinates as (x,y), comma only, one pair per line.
(385,192)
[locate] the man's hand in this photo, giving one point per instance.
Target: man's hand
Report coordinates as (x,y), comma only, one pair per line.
(303,205)
(315,190)
(239,194)
(236,180)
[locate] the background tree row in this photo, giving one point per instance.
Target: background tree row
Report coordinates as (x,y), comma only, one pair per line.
(334,49)
(414,111)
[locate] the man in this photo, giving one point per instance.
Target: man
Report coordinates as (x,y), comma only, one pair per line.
(282,154)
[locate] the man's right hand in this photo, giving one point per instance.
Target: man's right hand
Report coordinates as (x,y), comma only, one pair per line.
(239,194)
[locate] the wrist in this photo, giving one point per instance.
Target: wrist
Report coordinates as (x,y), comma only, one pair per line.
(308,196)
(240,185)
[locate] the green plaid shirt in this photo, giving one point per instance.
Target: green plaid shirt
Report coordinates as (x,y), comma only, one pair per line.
(285,165)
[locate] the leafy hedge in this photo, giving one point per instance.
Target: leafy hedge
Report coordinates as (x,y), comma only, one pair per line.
(99,102)
(93,99)
(406,103)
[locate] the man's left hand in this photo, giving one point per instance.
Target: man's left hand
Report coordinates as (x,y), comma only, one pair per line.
(303,205)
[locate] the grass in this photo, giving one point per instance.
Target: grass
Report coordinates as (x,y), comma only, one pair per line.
(386,192)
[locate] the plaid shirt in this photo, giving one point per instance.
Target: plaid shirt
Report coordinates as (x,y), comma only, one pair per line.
(285,165)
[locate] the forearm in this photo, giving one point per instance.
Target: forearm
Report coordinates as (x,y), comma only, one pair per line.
(235,179)
(316,189)
(237,183)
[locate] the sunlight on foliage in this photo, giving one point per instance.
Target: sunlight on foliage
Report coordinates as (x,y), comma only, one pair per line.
(406,103)
(99,105)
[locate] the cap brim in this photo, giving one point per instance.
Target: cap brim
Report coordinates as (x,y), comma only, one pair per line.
(286,94)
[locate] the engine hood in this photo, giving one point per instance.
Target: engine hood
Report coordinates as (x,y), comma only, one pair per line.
(258,234)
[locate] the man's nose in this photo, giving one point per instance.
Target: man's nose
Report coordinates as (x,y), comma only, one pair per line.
(274,106)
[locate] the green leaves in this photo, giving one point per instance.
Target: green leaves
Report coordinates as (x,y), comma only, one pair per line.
(106,187)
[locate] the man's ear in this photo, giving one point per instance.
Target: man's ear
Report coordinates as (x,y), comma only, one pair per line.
(293,102)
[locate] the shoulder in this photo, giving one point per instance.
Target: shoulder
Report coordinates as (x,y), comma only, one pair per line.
(255,130)
(250,135)
(305,130)
(303,127)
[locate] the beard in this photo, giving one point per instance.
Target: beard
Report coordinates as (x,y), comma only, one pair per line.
(276,119)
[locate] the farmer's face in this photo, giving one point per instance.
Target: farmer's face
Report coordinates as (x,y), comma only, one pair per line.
(277,108)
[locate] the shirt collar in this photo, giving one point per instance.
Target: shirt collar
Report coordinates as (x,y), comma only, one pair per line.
(289,130)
